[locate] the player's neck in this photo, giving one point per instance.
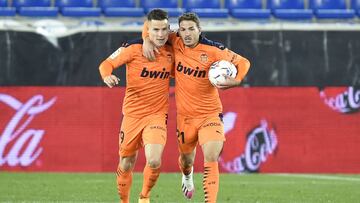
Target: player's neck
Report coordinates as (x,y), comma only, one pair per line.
(193,46)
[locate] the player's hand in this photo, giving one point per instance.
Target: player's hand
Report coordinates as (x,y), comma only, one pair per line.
(229,82)
(149,49)
(111,80)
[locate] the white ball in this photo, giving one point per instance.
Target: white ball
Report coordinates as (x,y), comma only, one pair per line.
(220,68)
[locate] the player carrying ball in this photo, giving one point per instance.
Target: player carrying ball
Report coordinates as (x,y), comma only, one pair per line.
(199,109)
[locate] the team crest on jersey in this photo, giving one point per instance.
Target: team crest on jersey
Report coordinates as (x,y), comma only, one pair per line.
(203,57)
(116,53)
(169,57)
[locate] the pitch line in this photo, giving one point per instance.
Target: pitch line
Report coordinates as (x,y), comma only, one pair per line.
(320,177)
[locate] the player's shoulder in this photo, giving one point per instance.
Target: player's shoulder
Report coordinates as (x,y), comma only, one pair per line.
(168,45)
(132,43)
(207,42)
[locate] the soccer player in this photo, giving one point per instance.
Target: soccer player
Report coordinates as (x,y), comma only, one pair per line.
(145,104)
(199,109)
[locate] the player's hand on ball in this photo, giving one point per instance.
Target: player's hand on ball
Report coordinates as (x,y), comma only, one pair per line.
(229,82)
(111,80)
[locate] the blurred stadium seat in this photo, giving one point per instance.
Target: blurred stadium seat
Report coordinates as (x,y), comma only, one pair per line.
(290,9)
(5,10)
(171,6)
(239,9)
(247,9)
(355,4)
(120,8)
(331,9)
(35,8)
(206,8)
(77,8)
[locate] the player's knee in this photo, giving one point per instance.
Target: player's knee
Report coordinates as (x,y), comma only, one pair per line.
(154,163)
(211,157)
(187,162)
(127,164)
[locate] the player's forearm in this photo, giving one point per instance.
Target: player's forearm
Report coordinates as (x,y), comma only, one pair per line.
(105,69)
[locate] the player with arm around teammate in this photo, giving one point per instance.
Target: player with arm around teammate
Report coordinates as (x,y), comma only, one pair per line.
(145,104)
(199,109)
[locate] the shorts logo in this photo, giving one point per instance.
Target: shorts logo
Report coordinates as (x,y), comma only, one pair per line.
(211,125)
(157,127)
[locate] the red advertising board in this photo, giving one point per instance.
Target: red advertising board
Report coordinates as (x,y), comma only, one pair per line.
(277,129)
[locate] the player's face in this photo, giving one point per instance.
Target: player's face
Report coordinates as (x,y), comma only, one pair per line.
(158,32)
(189,33)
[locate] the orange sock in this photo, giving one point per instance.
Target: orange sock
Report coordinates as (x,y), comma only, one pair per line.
(150,177)
(211,181)
(124,180)
(185,171)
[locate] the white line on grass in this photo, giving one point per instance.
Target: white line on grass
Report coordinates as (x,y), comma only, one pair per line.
(322,177)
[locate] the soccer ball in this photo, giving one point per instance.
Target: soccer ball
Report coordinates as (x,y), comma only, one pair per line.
(220,68)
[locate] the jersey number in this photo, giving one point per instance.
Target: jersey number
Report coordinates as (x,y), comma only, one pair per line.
(180,135)
(122,134)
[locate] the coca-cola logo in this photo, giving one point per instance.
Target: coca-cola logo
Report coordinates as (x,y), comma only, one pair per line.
(19,143)
(347,101)
(260,143)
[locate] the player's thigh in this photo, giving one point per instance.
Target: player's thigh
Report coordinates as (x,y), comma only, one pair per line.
(211,129)
(130,136)
(187,134)
(155,131)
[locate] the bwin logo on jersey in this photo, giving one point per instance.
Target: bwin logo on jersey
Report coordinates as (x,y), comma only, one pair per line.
(190,71)
(155,74)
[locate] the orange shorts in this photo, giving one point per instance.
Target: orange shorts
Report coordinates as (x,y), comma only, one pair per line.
(137,132)
(191,131)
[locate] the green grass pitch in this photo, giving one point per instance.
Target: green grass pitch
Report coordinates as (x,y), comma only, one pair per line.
(248,188)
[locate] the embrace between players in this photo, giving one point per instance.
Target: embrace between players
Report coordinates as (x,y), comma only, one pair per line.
(150,62)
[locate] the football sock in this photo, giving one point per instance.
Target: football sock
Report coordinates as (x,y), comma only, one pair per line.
(150,177)
(124,180)
(211,181)
(185,171)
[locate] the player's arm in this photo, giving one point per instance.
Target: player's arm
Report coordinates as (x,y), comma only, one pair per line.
(149,48)
(242,65)
(118,58)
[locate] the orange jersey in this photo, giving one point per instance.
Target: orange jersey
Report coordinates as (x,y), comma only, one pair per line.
(147,82)
(195,96)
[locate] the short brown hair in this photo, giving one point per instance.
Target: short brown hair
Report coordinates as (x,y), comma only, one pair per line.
(157,14)
(191,17)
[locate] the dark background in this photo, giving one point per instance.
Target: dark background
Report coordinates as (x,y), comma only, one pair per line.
(279,58)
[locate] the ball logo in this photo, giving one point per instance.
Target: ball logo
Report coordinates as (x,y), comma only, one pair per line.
(19,144)
(347,101)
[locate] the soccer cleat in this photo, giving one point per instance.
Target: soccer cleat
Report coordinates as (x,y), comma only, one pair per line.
(144,200)
(188,185)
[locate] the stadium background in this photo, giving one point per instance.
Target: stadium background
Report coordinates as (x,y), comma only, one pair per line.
(296,112)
